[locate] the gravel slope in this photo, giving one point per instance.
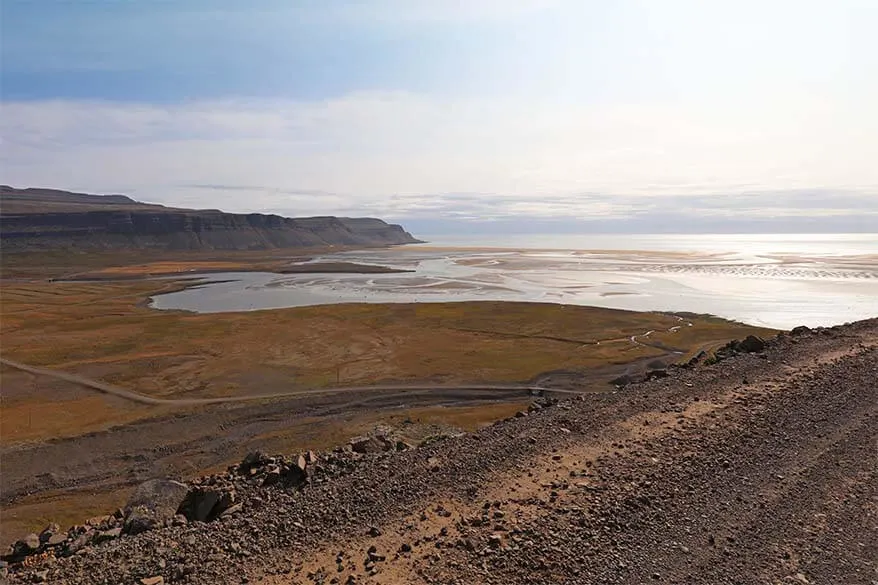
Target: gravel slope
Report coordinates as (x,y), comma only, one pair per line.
(759,469)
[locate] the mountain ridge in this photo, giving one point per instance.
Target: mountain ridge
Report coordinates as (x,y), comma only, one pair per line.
(36,218)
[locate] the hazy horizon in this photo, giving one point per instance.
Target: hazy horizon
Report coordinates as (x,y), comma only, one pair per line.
(625,117)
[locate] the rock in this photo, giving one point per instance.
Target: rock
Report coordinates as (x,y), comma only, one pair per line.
(374,531)
(752,344)
(29,544)
(367,445)
(108,535)
(656,374)
(272,476)
(153,503)
(800,330)
(251,461)
(157,580)
(57,539)
(41,576)
(495,540)
(49,531)
(82,541)
(404,446)
(233,509)
(296,474)
(623,380)
(204,502)
(99,521)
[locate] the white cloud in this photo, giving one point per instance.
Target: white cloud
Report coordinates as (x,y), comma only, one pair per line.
(353,153)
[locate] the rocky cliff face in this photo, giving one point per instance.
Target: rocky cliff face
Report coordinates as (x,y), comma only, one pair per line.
(41,219)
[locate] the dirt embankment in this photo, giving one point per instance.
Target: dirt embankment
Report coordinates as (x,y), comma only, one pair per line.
(758,469)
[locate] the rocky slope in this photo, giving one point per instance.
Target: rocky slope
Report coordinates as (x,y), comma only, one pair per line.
(44,219)
(758,469)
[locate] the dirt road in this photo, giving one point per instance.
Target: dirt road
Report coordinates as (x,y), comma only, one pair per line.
(139,398)
(758,470)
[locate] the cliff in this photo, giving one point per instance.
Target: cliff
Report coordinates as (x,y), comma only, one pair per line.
(46,218)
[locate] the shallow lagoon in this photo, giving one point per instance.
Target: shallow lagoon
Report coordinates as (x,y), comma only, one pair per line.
(773,280)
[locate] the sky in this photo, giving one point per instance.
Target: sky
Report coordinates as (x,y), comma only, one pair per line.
(502,115)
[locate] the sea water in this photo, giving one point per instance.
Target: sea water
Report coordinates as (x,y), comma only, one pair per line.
(771,280)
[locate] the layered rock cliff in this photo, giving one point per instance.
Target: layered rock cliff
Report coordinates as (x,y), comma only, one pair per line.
(44,218)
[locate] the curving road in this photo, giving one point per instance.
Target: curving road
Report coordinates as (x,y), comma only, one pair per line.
(120,392)
(151,400)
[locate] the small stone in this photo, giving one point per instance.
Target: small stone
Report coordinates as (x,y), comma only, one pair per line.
(81,542)
(157,580)
(233,509)
(374,531)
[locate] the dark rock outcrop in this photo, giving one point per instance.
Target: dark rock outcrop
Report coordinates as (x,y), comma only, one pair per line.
(153,503)
(45,219)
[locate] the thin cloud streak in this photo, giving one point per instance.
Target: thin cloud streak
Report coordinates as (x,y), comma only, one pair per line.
(398,155)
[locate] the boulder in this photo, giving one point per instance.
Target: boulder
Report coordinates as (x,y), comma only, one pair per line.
(49,531)
(253,460)
(301,464)
(367,445)
(800,330)
(205,501)
(28,545)
(56,539)
(623,380)
(655,375)
(752,344)
(153,503)
(108,534)
(272,475)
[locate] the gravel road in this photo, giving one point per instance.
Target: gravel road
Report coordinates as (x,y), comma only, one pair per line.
(757,470)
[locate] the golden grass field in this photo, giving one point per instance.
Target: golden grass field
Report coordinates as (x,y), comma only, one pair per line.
(104,330)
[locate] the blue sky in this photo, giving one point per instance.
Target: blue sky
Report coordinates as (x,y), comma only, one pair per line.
(487,110)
